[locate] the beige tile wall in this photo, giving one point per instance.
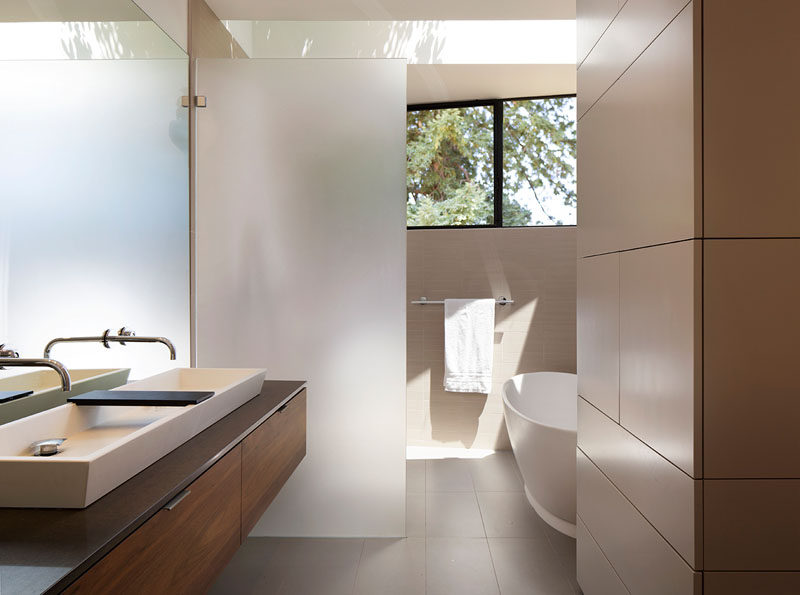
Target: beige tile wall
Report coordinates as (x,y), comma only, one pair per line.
(536,267)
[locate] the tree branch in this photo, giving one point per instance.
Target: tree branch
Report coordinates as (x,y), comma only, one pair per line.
(530,182)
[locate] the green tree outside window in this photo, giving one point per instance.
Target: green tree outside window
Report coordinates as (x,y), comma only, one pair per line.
(450,169)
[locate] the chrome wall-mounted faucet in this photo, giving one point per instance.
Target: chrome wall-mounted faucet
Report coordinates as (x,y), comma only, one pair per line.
(122,337)
(11,359)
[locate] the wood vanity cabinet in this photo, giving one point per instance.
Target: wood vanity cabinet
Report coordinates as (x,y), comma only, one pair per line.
(178,550)
(185,545)
(269,456)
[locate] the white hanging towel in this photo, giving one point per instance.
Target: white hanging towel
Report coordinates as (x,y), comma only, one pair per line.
(468,345)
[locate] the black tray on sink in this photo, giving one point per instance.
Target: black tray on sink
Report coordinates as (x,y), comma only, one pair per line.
(10,395)
(146,398)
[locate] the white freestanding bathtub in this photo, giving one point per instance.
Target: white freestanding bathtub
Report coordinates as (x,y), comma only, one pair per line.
(541,412)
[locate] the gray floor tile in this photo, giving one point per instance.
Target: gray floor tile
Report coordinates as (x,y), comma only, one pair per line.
(565,547)
(459,566)
(415,515)
(415,477)
(290,566)
(508,514)
(448,475)
(452,515)
(242,574)
(496,473)
(528,567)
(392,567)
(446,553)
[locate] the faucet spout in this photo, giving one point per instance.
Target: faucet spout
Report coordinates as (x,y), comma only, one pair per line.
(122,337)
(11,359)
(168,343)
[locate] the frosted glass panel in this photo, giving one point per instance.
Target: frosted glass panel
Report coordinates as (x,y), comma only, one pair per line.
(94,216)
(301,269)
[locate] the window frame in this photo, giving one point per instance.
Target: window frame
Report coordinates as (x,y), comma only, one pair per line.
(498,118)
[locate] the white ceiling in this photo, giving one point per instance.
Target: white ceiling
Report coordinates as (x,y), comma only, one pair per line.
(431,83)
(391,10)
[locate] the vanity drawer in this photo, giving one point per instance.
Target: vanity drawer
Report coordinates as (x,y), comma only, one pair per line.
(269,455)
(184,546)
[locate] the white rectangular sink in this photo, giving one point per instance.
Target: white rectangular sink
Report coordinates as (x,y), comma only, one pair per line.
(47,393)
(107,445)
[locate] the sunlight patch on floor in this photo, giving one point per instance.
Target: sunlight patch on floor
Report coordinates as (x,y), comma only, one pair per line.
(414,453)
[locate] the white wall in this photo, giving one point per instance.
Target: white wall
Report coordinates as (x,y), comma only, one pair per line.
(419,42)
(94,40)
(448,60)
(393,9)
(301,269)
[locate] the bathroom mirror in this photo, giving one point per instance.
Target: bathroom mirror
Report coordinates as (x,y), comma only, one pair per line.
(94,183)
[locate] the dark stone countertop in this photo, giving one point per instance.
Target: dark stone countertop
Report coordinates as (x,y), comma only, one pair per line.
(44,550)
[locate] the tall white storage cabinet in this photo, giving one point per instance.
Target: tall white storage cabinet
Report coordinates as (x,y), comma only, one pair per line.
(300,268)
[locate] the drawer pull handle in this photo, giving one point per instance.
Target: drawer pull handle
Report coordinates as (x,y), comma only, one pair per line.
(282,408)
(176,500)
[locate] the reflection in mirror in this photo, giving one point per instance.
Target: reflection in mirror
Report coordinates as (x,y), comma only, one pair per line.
(94,173)
(81,30)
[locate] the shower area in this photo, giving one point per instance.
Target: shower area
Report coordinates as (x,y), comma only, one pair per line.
(491,224)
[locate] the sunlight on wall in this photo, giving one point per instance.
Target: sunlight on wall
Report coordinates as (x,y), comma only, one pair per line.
(420,42)
(85,41)
(533,266)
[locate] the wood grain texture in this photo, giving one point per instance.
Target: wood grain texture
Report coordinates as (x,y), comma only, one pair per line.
(269,456)
(179,550)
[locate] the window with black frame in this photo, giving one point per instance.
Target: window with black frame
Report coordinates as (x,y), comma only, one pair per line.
(499,163)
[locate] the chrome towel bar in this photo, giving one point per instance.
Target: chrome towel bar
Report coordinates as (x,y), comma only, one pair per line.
(501,301)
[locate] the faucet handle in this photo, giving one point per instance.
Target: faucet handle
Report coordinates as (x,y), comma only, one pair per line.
(7,352)
(123,332)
